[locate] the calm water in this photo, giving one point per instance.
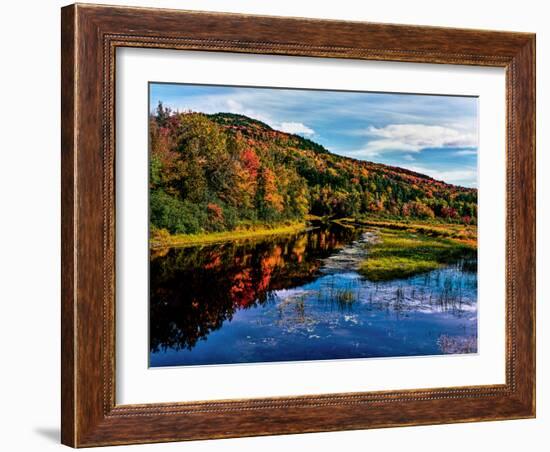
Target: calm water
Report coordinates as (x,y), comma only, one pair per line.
(300,297)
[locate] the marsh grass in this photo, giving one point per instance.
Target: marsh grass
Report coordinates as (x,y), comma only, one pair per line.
(292,312)
(346,296)
(466,234)
(341,297)
(163,239)
(401,254)
(457,345)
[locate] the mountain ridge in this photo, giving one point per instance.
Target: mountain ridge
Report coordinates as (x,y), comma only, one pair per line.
(220,171)
(223,118)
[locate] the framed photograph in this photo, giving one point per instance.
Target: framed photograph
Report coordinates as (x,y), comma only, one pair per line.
(281,225)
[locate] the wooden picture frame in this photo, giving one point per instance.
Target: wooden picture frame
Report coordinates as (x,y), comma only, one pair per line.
(90,36)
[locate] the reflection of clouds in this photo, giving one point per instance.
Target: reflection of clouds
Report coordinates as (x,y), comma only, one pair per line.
(350,256)
(196,289)
(448,290)
(293,313)
(193,300)
(457,345)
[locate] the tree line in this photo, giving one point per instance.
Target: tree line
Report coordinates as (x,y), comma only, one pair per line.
(211,173)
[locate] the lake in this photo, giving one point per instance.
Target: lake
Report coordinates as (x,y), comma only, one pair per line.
(300,297)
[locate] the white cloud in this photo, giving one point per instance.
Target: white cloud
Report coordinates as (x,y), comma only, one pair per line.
(216,103)
(408,158)
(295,127)
(463,152)
(238,103)
(233,106)
(414,138)
(466,177)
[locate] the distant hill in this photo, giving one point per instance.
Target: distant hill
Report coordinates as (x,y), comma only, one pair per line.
(249,125)
(222,171)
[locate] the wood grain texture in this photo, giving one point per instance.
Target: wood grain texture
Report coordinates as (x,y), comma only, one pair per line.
(68,244)
(90,36)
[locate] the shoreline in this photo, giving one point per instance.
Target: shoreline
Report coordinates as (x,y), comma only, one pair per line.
(400,254)
(459,234)
(456,232)
(185,240)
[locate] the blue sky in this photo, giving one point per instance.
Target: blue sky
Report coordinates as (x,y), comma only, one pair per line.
(433,135)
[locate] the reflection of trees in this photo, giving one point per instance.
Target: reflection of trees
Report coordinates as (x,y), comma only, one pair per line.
(194,290)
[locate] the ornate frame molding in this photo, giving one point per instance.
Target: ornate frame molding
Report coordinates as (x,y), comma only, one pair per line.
(90,36)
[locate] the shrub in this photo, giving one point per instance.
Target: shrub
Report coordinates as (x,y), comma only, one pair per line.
(178,217)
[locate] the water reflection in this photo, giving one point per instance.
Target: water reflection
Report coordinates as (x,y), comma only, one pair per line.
(299,297)
(194,290)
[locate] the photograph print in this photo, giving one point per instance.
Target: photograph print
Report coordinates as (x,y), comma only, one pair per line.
(289,225)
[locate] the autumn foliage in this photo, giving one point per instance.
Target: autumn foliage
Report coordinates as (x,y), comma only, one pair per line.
(222,172)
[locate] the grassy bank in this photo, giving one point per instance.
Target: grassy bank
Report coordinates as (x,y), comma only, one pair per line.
(401,253)
(465,234)
(163,239)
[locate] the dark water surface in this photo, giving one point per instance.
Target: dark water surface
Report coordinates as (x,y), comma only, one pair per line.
(300,297)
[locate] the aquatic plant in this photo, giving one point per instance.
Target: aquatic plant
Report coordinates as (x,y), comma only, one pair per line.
(401,254)
(452,345)
(345,298)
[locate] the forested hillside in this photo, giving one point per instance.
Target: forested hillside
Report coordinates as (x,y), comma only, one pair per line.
(211,173)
